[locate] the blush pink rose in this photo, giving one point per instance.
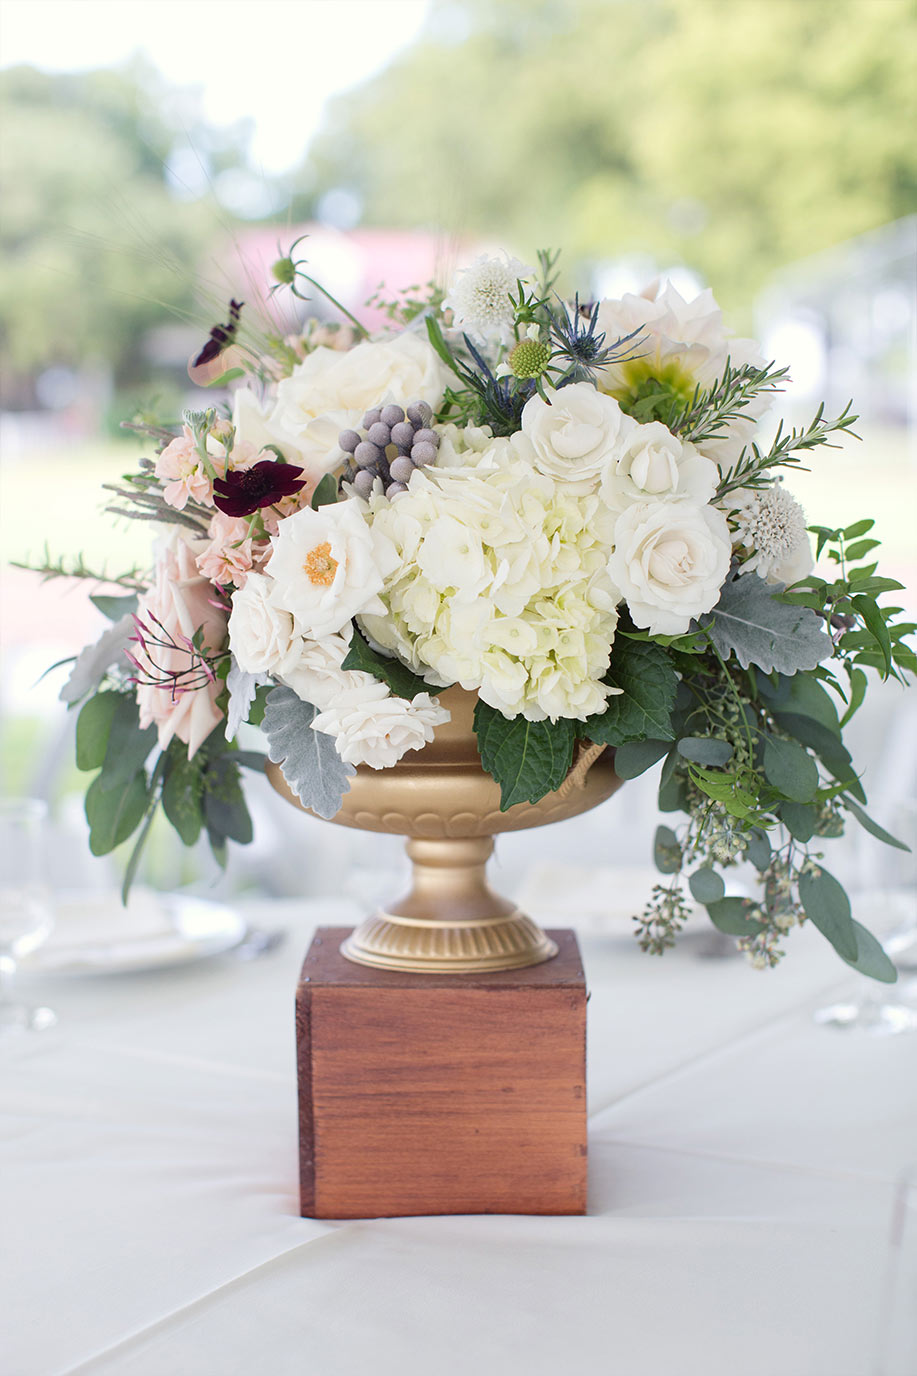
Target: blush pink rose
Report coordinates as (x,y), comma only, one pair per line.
(176,690)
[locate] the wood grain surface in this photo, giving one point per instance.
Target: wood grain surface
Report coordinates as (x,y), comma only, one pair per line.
(440,1094)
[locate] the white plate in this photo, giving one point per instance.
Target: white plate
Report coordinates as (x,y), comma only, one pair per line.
(94,934)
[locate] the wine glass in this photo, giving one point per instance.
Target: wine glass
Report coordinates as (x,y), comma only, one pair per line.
(25,906)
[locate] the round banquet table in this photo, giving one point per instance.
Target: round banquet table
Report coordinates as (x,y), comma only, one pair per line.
(752,1205)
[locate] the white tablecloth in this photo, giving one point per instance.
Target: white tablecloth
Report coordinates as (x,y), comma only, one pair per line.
(753,1209)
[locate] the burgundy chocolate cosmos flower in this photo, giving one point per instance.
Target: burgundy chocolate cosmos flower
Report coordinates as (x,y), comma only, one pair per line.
(242,492)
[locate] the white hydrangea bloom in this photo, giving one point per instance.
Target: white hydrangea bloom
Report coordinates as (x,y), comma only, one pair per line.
(479,297)
(770,523)
(501,584)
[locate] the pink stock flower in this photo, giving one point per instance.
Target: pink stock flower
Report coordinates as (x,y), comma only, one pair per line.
(179,465)
(176,686)
(230,554)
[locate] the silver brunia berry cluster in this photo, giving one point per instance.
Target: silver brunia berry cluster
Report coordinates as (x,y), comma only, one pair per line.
(395,442)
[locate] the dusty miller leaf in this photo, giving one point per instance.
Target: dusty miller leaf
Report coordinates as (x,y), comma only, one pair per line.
(309,760)
(94,662)
(242,688)
(751,622)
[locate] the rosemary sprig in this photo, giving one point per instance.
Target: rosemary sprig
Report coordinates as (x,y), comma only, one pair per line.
(50,568)
(712,408)
(751,467)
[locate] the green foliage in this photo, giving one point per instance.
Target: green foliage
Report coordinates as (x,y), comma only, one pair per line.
(643,708)
(392,672)
(201,792)
(828,908)
(527,758)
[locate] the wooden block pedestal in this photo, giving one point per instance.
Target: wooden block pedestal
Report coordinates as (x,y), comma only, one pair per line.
(441,1094)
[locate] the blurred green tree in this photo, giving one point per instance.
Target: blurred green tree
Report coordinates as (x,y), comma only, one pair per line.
(95,245)
(732,135)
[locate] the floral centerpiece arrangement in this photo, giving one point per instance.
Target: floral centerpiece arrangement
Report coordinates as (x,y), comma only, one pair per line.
(561,508)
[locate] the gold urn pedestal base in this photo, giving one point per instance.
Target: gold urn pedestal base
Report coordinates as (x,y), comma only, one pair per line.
(474,930)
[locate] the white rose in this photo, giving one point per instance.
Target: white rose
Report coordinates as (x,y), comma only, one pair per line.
(324,568)
(652,462)
(575,437)
(329,391)
(670,560)
(316,675)
(378,732)
(261,634)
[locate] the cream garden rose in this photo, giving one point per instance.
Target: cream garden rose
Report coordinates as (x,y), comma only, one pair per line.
(324,570)
(651,462)
(378,730)
(329,391)
(261,633)
(316,674)
(670,560)
(574,434)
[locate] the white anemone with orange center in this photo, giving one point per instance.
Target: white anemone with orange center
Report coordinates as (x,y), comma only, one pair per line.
(325,568)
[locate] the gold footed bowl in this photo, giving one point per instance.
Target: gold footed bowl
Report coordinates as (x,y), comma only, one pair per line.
(443,801)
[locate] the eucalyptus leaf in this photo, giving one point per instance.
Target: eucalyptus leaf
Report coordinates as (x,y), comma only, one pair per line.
(799,820)
(828,908)
(128,745)
(115,608)
(182,793)
(802,695)
(308,758)
(705,750)
(828,746)
(873,828)
(730,915)
(673,793)
(527,758)
(114,813)
(871,960)
(706,885)
(634,758)
(93,727)
(758,847)
(790,769)
(751,622)
(93,663)
(667,855)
